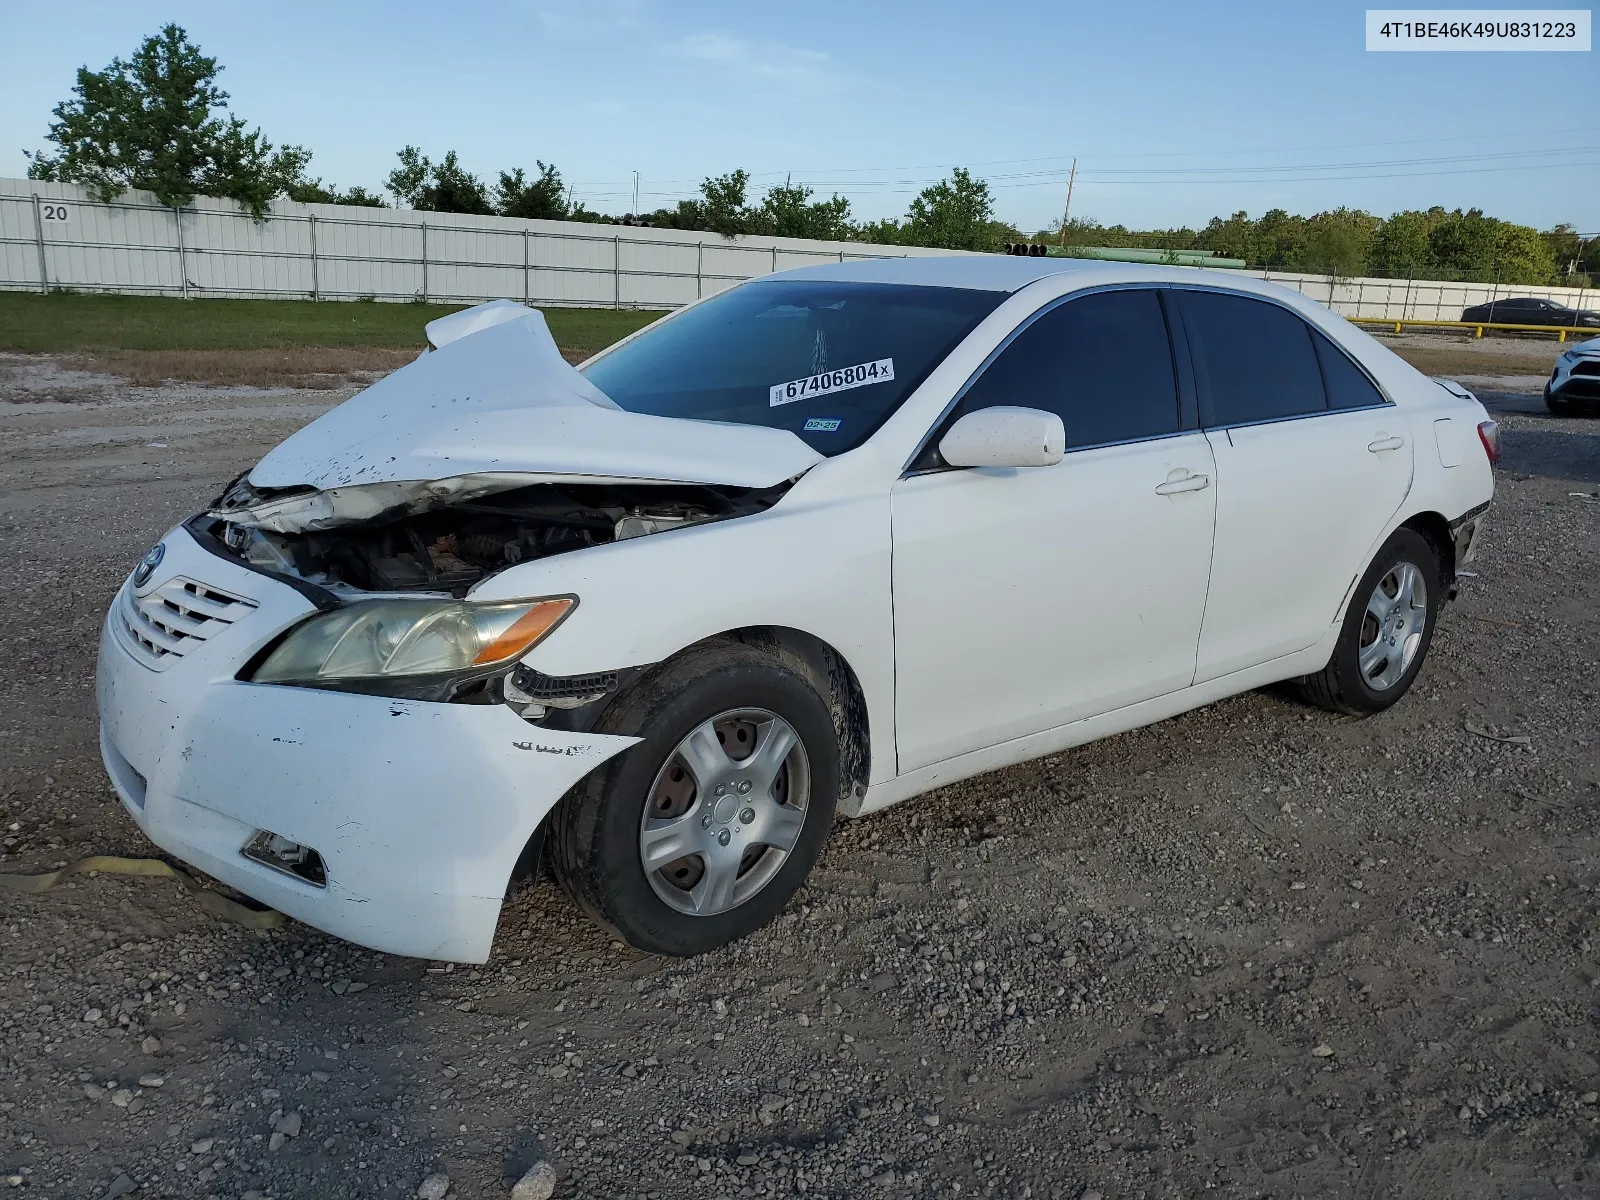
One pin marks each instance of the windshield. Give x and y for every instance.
(828, 361)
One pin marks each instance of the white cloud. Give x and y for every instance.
(770, 61)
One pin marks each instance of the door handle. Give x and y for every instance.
(1389, 443)
(1189, 483)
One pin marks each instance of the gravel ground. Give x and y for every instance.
(1258, 950)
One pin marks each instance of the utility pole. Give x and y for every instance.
(636, 193)
(1067, 211)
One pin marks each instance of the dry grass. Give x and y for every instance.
(1450, 360)
(320, 367)
(323, 368)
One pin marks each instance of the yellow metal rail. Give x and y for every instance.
(1478, 326)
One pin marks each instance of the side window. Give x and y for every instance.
(1253, 360)
(1102, 363)
(1348, 385)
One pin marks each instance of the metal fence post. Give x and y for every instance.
(424, 262)
(38, 233)
(316, 291)
(616, 271)
(183, 269)
(525, 272)
(699, 270)
(774, 260)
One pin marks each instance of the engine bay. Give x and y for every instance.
(450, 548)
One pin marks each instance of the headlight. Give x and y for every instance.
(420, 648)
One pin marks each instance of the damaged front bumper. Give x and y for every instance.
(416, 812)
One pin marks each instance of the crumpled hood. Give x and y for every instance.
(500, 401)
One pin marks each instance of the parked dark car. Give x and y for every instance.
(1526, 310)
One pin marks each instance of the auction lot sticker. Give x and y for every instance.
(1478, 29)
(824, 382)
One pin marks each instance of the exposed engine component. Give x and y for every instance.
(449, 549)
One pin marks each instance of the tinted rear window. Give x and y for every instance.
(1348, 385)
(828, 361)
(1253, 360)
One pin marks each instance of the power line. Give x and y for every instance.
(1282, 173)
(1196, 153)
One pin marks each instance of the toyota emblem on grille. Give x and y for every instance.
(148, 564)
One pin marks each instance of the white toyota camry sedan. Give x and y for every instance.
(814, 545)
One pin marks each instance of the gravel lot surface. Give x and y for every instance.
(1258, 950)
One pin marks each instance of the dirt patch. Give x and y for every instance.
(1453, 355)
(1258, 950)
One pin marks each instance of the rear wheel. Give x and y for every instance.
(702, 832)
(1387, 630)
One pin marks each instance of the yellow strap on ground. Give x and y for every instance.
(149, 868)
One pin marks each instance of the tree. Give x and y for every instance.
(789, 211)
(1575, 256)
(955, 214)
(1339, 242)
(723, 208)
(1522, 256)
(314, 191)
(886, 232)
(542, 198)
(443, 187)
(158, 122)
(1402, 248)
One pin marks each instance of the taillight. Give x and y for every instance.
(1489, 435)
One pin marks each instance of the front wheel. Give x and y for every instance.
(701, 833)
(1387, 630)
(1557, 406)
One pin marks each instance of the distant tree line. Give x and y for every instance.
(1453, 245)
(158, 122)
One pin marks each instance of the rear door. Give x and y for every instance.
(1028, 598)
(1312, 461)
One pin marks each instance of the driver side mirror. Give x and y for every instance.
(1005, 437)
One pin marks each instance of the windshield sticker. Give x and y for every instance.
(822, 425)
(824, 382)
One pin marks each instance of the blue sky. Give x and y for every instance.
(1176, 111)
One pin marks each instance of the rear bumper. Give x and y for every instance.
(418, 810)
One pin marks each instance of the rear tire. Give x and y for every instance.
(729, 796)
(1386, 633)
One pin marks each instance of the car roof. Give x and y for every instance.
(983, 272)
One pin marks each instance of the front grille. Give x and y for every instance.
(165, 624)
(1587, 368)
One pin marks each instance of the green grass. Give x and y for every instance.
(69, 323)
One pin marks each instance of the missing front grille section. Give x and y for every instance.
(270, 850)
(545, 688)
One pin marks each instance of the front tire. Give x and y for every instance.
(1557, 406)
(1387, 630)
(702, 833)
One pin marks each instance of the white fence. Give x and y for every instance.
(54, 235)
